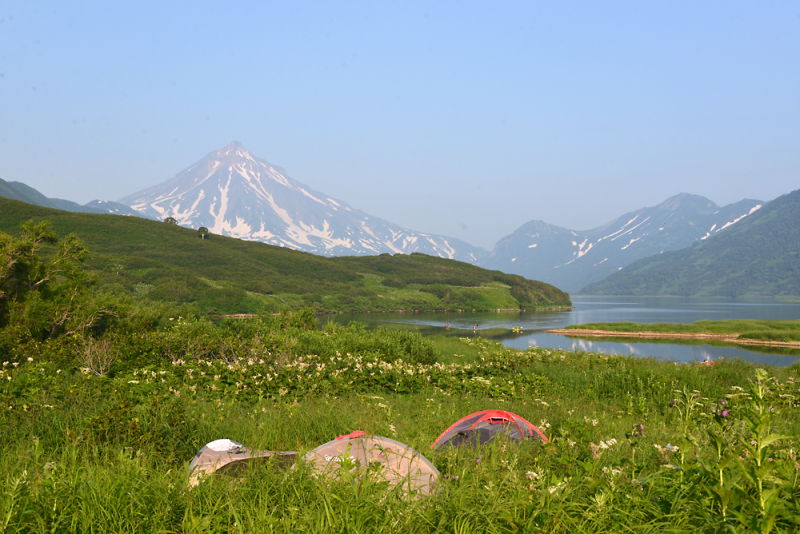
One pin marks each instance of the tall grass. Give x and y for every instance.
(87, 453)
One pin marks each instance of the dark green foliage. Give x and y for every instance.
(45, 289)
(758, 257)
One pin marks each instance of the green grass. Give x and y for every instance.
(224, 275)
(747, 328)
(110, 453)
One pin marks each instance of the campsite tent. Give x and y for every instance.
(482, 427)
(398, 463)
(232, 458)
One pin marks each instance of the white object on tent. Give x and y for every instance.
(231, 458)
(398, 463)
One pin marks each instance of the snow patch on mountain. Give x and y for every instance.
(234, 193)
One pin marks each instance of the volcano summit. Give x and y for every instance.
(233, 193)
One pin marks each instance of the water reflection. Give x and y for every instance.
(498, 326)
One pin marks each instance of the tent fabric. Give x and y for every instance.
(229, 457)
(482, 427)
(399, 464)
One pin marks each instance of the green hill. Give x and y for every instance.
(155, 260)
(759, 257)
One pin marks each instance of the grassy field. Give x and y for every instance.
(746, 328)
(100, 440)
(156, 261)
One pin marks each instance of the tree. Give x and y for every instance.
(44, 285)
(171, 220)
(202, 232)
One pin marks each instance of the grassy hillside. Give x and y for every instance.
(155, 260)
(759, 257)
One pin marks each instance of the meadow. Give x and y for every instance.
(99, 431)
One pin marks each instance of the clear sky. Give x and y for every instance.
(460, 118)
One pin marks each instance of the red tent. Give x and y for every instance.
(482, 427)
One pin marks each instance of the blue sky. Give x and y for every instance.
(459, 118)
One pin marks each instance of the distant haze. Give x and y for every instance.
(464, 119)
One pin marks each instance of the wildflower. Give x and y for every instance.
(724, 413)
(532, 475)
(30, 359)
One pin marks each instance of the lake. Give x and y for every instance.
(498, 325)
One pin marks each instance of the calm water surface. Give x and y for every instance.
(606, 309)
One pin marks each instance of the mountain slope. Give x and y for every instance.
(571, 260)
(759, 257)
(25, 193)
(7, 190)
(154, 260)
(233, 193)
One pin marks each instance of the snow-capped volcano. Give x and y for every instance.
(233, 193)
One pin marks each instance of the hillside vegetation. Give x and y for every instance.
(164, 262)
(758, 257)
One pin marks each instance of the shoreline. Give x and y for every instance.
(727, 338)
(498, 310)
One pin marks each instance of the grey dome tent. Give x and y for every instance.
(397, 463)
(231, 458)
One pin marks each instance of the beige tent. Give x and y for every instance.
(232, 458)
(393, 461)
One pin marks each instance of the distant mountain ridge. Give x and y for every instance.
(758, 257)
(25, 193)
(571, 260)
(233, 193)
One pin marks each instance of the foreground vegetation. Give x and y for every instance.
(150, 260)
(746, 328)
(99, 432)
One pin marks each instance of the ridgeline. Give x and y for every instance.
(759, 257)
